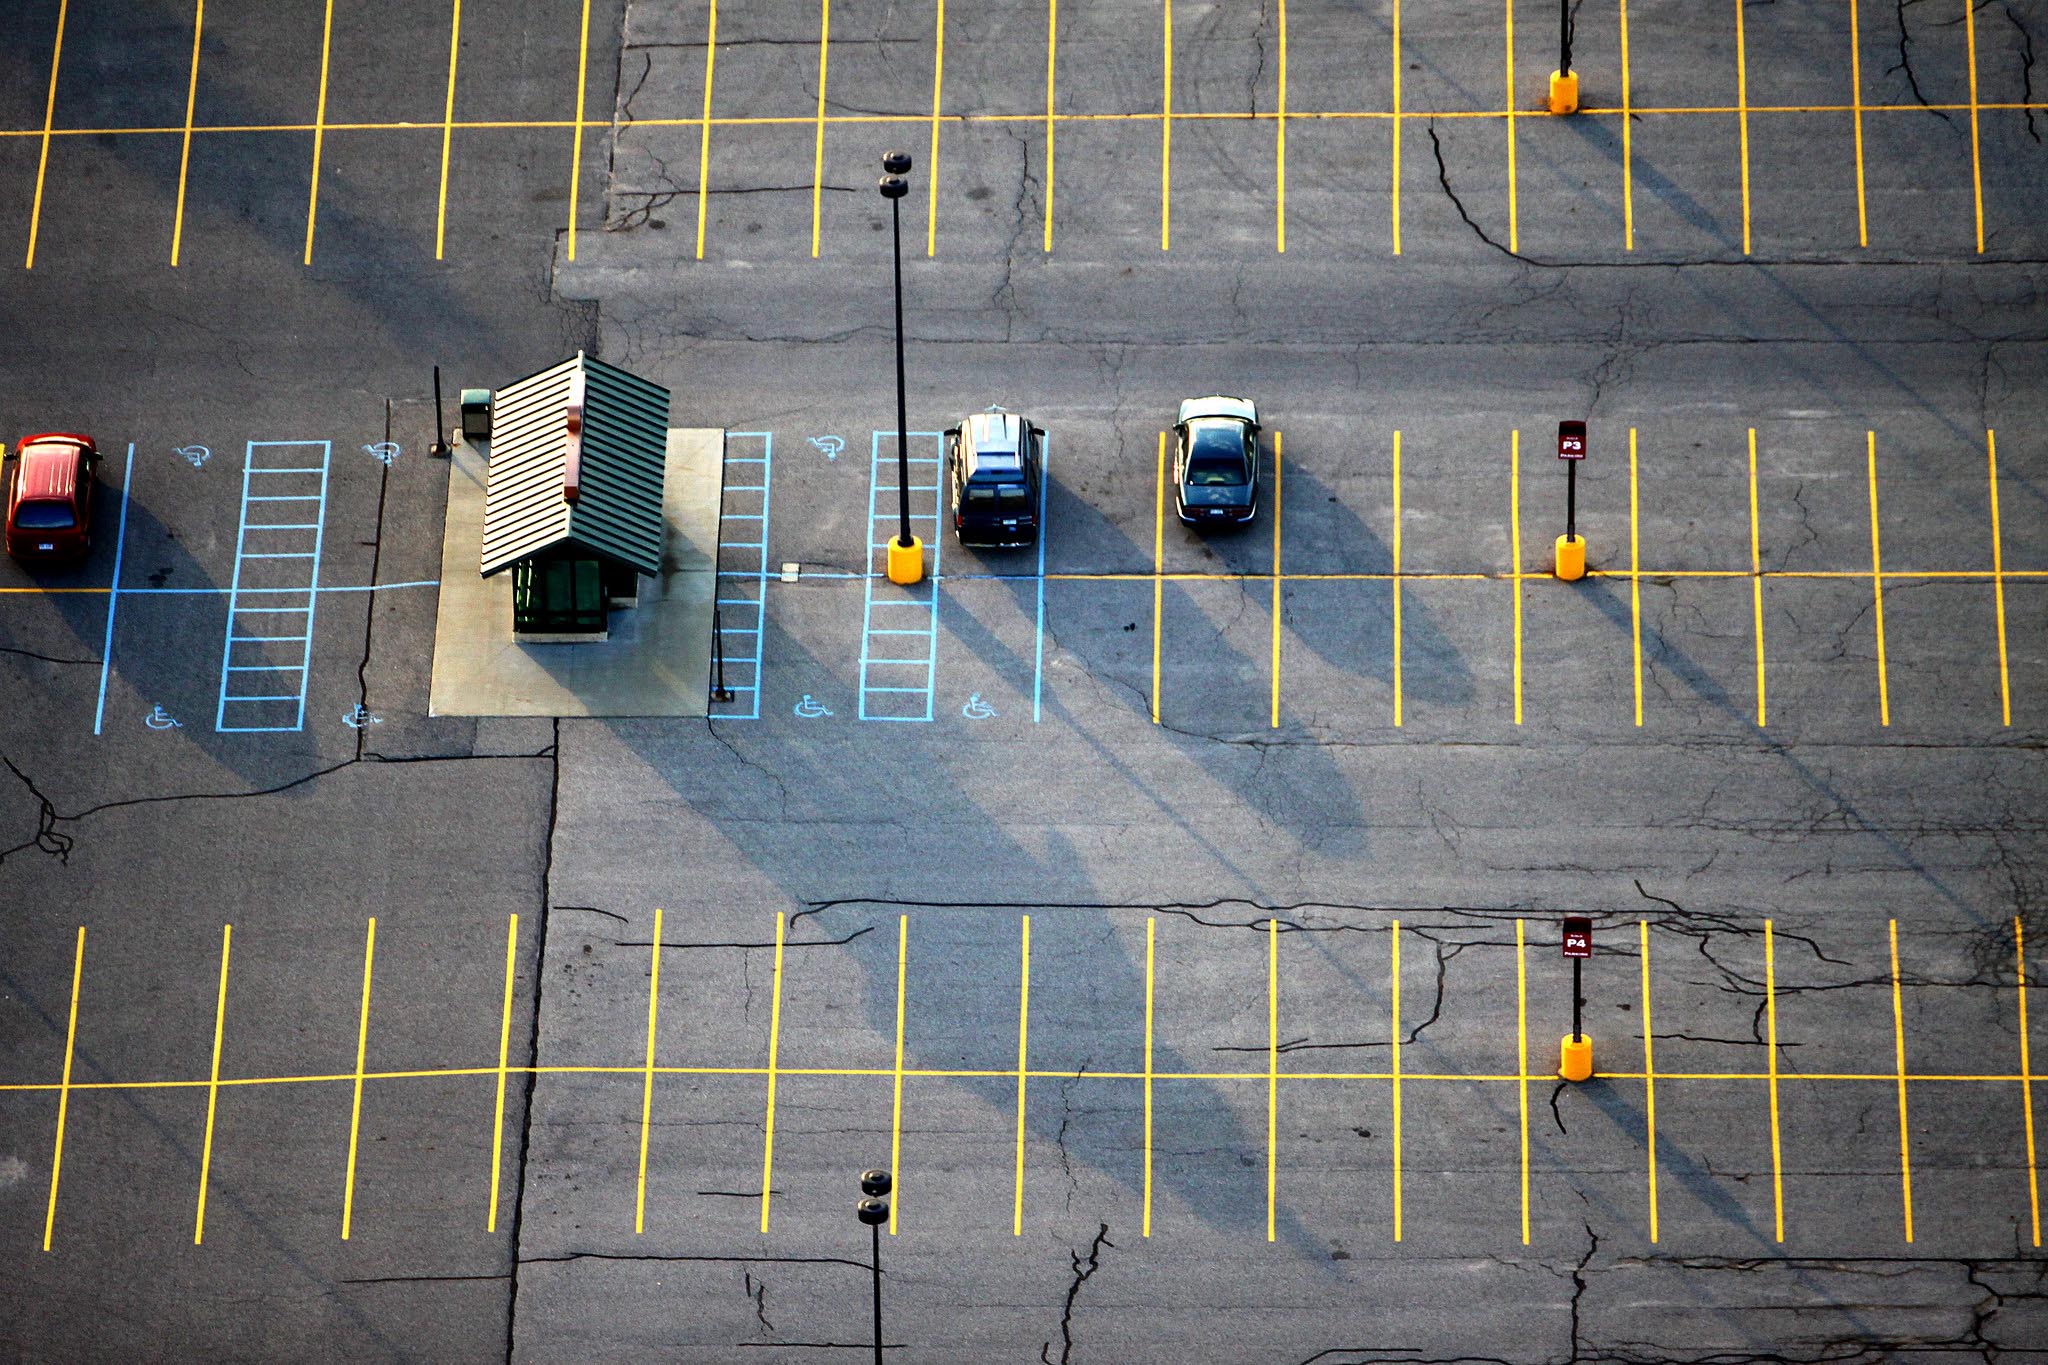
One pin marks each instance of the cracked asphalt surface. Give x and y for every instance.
(1277, 1083)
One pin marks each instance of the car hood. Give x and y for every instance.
(1217, 495)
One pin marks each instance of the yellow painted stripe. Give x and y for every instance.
(1884, 696)
(1514, 211)
(1394, 975)
(704, 142)
(447, 130)
(504, 1051)
(1397, 580)
(1397, 129)
(1998, 578)
(818, 152)
(355, 1114)
(1742, 103)
(1771, 1017)
(1856, 105)
(931, 221)
(1899, 1054)
(220, 1013)
(1515, 520)
(64, 1089)
(1635, 575)
(1158, 569)
(1649, 1076)
(320, 130)
(1628, 162)
(576, 148)
(896, 1104)
(1272, 1070)
(1280, 145)
(1522, 1063)
(185, 152)
(1023, 1053)
(35, 216)
(1756, 569)
(1277, 503)
(774, 1057)
(1052, 45)
(647, 1080)
(1151, 939)
(1166, 141)
(1976, 154)
(2019, 953)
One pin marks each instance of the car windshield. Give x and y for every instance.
(1216, 458)
(44, 515)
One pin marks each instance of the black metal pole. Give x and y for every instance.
(902, 431)
(1577, 999)
(1571, 500)
(719, 691)
(1564, 37)
(876, 1229)
(440, 443)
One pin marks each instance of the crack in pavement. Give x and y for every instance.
(1081, 1276)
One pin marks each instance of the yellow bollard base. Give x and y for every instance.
(1575, 1061)
(906, 562)
(1564, 92)
(1571, 558)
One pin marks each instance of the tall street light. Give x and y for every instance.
(1564, 82)
(874, 1211)
(906, 551)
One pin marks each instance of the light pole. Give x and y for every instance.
(1564, 85)
(874, 1211)
(906, 552)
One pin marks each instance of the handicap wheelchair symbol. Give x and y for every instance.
(976, 708)
(831, 445)
(160, 719)
(387, 451)
(361, 716)
(195, 455)
(808, 709)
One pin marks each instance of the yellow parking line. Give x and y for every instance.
(1998, 576)
(1742, 103)
(1397, 128)
(576, 147)
(320, 130)
(447, 137)
(774, 1056)
(1151, 936)
(1272, 1068)
(1280, 145)
(1158, 568)
(1899, 1054)
(1884, 698)
(1166, 141)
(220, 1012)
(931, 221)
(64, 1088)
(818, 154)
(2019, 954)
(1277, 503)
(1649, 1076)
(1522, 1064)
(1771, 1018)
(1052, 34)
(185, 153)
(1394, 974)
(704, 142)
(1976, 156)
(1397, 579)
(896, 1105)
(1635, 575)
(1515, 519)
(504, 1048)
(647, 1080)
(1756, 569)
(1856, 104)
(1023, 1054)
(35, 216)
(355, 1114)
(1628, 164)
(1514, 214)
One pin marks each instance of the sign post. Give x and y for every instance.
(1576, 1058)
(1571, 547)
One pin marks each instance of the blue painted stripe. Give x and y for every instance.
(1038, 648)
(99, 709)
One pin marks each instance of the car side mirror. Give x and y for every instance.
(952, 433)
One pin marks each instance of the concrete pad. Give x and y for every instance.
(658, 657)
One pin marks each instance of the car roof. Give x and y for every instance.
(49, 467)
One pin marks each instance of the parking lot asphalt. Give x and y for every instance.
(1176, 914)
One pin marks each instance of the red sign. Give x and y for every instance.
(1578, 936)
(1571, 440)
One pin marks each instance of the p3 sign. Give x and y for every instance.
(1571, 440)
(1578, 936)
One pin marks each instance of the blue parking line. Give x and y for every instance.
(1038, 649)
(759, 574)
(99, 710)
(307, 595)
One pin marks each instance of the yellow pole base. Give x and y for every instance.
(906, 562)
(1564, 92)
(1575, 1062)
(1571, 558)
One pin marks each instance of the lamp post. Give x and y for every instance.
(874, 1211)
(906, 552)
(1564, 84)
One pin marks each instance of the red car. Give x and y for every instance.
(49, 498)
